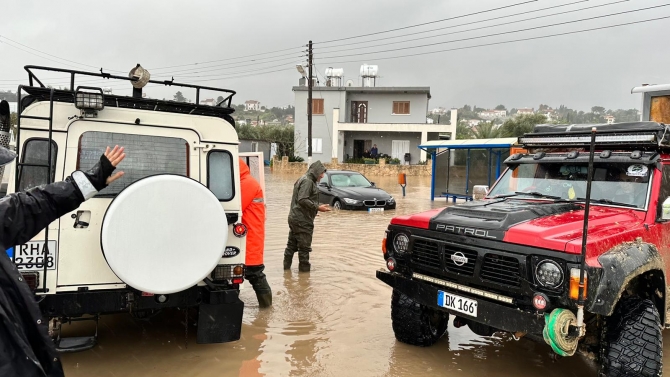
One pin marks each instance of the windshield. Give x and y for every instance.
(623, 184)
(349, 180)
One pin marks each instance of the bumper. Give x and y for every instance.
(490, 313)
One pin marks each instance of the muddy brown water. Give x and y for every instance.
(334, 321)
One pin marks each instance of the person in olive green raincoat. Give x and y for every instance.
(304, 207)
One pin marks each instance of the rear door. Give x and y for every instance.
(149, 151)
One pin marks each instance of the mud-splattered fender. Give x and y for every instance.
(620, 266)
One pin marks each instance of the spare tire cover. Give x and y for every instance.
(164, 234)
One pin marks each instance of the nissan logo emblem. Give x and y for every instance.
(459, 258)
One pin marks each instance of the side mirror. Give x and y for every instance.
(372, 183)
(324, 184)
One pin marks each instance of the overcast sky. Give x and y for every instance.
(578, 70)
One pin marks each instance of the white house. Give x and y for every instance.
(609, 119)
(525, 111)
(208, 102)
(349, 120)
(492, 114)
(252, 105)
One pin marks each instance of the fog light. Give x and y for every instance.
(238, 270)
(540, 301)
(161, 299)
(574, 283)
(239, 230)
(549, 274)
(390, 264)
(91, 99)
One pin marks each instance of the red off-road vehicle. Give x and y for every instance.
(511, 262)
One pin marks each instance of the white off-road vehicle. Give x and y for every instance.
(166, 235)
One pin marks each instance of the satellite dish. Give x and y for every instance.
(350, 82)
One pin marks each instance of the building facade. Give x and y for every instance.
(348, 121)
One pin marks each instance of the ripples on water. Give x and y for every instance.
(334, 321)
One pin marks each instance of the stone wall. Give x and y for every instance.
(381, 169)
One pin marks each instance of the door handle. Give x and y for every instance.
(82, 219)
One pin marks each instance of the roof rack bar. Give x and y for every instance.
(29, 69)
(32, 165)
(35, 117)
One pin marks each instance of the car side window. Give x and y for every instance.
(664, 193)
(220, 175)
(36, 152)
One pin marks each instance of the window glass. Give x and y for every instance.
(145, 156)
(324, 179)
(349, 180)
(614, 183)
(220, 175)
(35, 151)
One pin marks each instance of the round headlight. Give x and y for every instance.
(549, 274)
(400, 242)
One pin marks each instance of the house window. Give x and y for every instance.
(401, 107)
(316, 145)
(317, 106)
(220, 175)
(146, 156)
(35, 151)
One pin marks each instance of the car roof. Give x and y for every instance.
(343, 171)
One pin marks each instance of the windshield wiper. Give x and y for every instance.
(537, 194)
(608, 201)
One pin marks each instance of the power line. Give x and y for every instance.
(427, 23)
(486, 27)
(454, 26)
(501, 33)
(44, 53)
(191, 72)
(228, 59)
(510, 41)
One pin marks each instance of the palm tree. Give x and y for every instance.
(486, 130)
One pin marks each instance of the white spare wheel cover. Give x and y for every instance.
(164, 234)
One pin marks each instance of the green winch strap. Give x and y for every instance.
(555, 332)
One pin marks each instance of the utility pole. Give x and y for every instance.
(309, 105)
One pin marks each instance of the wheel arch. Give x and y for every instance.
(632, 268)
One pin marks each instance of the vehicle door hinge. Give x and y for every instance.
(204, 147)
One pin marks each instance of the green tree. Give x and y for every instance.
(486, 130)
(501, 107)
(520, 125)
(219, 99)
(179, 97)
(463, 131)
(599, 110)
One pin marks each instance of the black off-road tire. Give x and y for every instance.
(633, 343)
(414, 323)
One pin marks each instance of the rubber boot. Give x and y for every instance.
(287, 263)
(303, 258)
(264, 299)
(304, 267)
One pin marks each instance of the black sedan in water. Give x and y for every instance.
(345, 189)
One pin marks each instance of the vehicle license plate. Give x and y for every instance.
(375, 209)
(457, 303)
(33, 254)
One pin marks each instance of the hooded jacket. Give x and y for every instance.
(26, 349)
(253, 215)
(305, 200)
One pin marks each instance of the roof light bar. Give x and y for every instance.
(583, 140)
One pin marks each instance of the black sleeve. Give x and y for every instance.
(25, 214)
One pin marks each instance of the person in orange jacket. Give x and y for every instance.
(253, 216)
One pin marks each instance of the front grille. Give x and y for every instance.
(468, 268)
(426, 254)
(501, 269)
(372, 203)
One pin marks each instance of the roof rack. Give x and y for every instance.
(223, 109)
(625, 136)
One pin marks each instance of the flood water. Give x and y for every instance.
(333, 321)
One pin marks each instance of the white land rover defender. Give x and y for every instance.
(166, 235)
